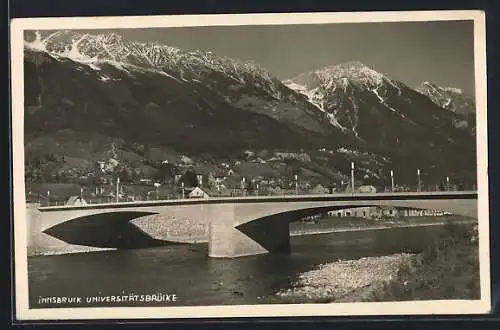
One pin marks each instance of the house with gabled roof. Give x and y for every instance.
(76, 201)
(319, 189)
(199, 192)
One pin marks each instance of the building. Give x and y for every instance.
(302, 156)
(379, 212)
(319, 189)
(146, 181)
(422, 213)
(411, 212)
(216, 179)
(361, 189)
(389, 212)
(76, 201)
(198, 193)
(368, 212)
(276, 190)
(367, 189)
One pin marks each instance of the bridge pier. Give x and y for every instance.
(230, 236)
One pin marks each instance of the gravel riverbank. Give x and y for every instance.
(345, 281)
(446, 269)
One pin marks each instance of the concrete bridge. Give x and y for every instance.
(236, 226)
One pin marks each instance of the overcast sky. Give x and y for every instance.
(440, 52)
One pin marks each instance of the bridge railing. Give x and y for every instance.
(44, 200)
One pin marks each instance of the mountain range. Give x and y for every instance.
(449, 98)
(88, 94)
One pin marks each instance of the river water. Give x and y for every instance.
(195, 279)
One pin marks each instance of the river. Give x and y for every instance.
(195, 279)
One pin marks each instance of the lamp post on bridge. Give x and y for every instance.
(118, 189)
(182, 188)
(48, 197)
(392, 181)
(243, 186)
(296, 184)
(257, 189)
(352, 177)
(418, 181)
(157, 186)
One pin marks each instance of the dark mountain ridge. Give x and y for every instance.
(126, 93)
(124, 87)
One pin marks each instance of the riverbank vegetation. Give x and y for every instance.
(448, 269)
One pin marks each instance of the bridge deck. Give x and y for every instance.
(283, 198)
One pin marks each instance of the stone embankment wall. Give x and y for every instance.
(161, 227)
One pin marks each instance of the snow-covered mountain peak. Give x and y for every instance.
(353, 71)
(435, 88)
(113, 38)
(329, 77)
(429, 84)
(93, 48)
(454, 90)
(450, 98)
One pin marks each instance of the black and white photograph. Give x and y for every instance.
(250, 165)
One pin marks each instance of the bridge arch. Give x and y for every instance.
(264, 227)
(106, 230)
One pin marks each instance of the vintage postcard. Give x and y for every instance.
(314, 164)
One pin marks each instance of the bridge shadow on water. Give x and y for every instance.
(110, 230)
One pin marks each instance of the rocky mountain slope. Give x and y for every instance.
(88, 94)
(152, 92)
(449, 98)
(387, 115)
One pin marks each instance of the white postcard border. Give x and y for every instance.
(335, 309)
